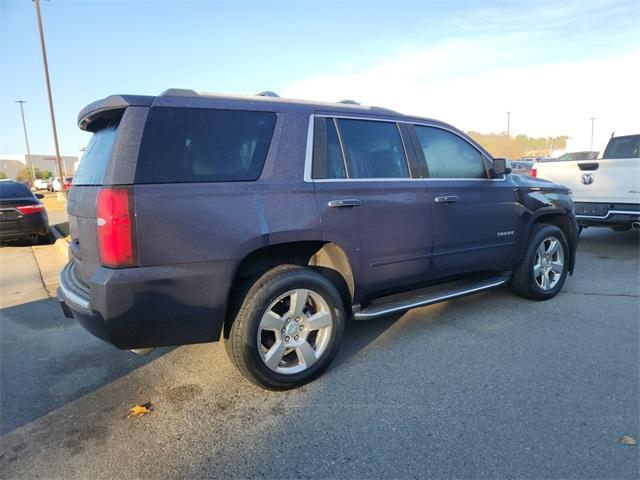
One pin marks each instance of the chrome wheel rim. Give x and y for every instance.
(294, 331)
(549, 263)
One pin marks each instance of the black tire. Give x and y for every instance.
(243, 344)
(523, 282)
(46, 239)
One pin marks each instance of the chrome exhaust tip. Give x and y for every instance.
(143, 352)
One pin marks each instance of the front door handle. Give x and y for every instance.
(347, 202)
(447, 199)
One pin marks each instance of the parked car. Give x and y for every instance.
(67, 183)
(21, 213)
(573, 156)
(269, 223)
(521, 167)
(56, 186)
(606, 191)
(40, 184)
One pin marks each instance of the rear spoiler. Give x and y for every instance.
(96, 114)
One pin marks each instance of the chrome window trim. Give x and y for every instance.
(344, 155)
(309, 153)
(308, 157)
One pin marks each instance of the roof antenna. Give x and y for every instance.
(268, 93)
(349, 101)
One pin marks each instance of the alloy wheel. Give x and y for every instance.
(549, 263)
(294, 331)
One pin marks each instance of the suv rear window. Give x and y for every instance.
(94, 160)
(623, 147)
(185, 145)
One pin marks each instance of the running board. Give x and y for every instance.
(427, 296)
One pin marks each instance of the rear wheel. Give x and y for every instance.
(288, 328)
(544, 267)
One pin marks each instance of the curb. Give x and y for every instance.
(61, 243)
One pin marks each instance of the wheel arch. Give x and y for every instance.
(566, 223)
(327, 258)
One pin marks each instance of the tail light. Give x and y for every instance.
(534, 172)
(30, 209)
(115, 226)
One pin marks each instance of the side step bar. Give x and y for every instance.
(427, 296)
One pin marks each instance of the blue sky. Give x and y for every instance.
(553, 64)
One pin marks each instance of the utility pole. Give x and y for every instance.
(46, 75)
(593, 119)
(508, 132)
(26, 141)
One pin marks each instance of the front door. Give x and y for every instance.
(474, 216)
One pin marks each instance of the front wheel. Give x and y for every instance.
(543, 269)
(288, 328)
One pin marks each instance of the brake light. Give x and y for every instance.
(30, 209)
(115, 227)
(534, 172)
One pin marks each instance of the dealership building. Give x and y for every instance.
(10, 165)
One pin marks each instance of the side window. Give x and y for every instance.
(373, 149)
(328, 161)
(449, 156)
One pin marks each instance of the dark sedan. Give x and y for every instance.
(21, 213)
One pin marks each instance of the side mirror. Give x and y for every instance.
(500, 167)
(39, 196)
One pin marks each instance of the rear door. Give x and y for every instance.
(370, 202)
(474, 216)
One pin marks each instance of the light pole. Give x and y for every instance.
(26, 141)
(46, 76)
(508, 132)
(593, 119)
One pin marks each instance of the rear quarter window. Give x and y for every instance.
(183, 145)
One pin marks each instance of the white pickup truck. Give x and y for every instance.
(606, 191)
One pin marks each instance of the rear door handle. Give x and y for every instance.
(347, 202)
(447, 199)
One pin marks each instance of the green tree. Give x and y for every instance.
(43, 174)
(24, 174)
(502, 145)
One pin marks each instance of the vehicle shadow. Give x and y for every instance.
(47, 361)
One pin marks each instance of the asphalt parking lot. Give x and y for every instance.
(488, 386)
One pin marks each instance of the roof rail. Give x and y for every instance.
(179, 92)
(268, 93)
(349, 102)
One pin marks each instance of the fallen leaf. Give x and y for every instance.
(139, 410)
(627, 440)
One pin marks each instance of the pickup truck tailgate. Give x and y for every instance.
(615, 180)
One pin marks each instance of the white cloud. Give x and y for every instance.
(472, 83)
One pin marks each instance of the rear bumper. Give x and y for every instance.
(606, 214)
(35, 224)
(149, 306)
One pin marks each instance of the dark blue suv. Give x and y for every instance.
(271, 223)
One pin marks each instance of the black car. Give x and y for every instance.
(21, 213)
